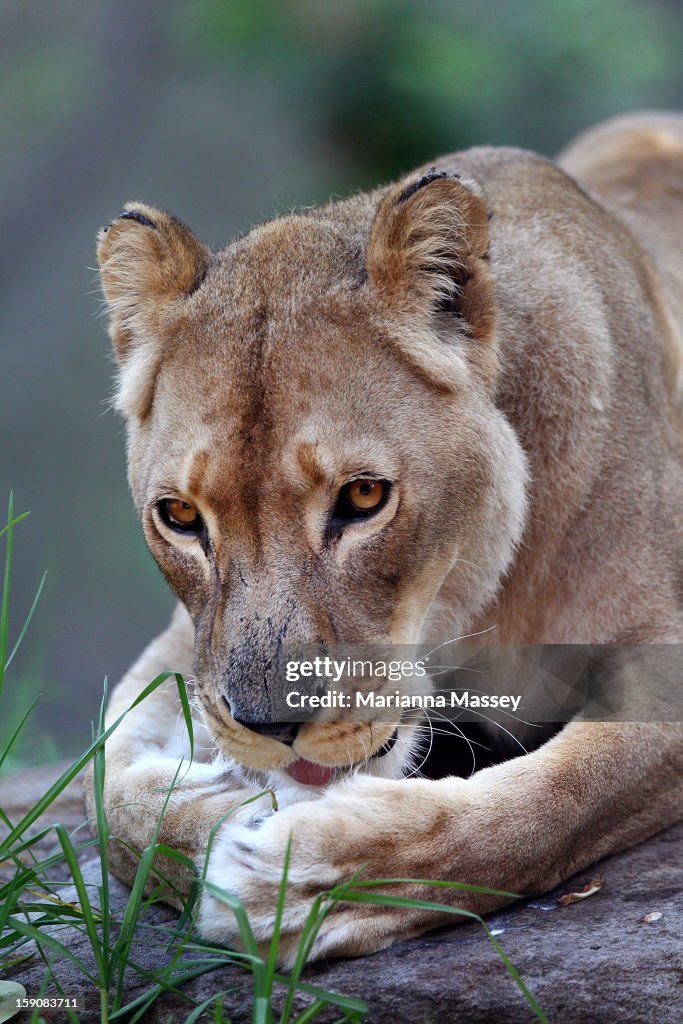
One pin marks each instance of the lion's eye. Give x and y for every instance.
(180, 515)
(361, 498)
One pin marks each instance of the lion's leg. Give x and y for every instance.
(522, 826)
(595, 789)
(143, 756)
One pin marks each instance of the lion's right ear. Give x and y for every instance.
(147, 259)
(427, 260)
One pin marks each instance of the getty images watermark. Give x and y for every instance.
(536, 683)
(329, 671)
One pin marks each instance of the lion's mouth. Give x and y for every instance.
(308, 773)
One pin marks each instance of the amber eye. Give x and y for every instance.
(361, 498)
(365, 495)
(180, 515)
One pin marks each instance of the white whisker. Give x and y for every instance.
(457, 639)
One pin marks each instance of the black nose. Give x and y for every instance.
(285, 732)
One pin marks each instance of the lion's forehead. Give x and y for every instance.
(265, 387)
(247, 346)
(288, 262)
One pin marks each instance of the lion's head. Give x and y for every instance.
(314, 447)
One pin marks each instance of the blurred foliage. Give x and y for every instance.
(395, 82)
(43, 73)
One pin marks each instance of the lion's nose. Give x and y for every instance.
(284, 732)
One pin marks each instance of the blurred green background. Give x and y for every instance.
(224, 112)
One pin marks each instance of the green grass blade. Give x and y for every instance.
(51, 976)
(35, 1015)
(187, 712)
(179, 858)
(53, 858)
(4, 603)
(277, 925)
(350, 1003)
(311, 1012)
(61, 914)
(8, 902)
(368, 883)
(102, 831)
(27, 621)
(143, 1010)
(143, 695)
(381, 900)
(249, 941)
(164, 985)
(84, 901)
(247, 935)
(529, 996)
(320, 908)
(221, 821)
(201, 1007)
(15, 735)
(261, 1011)
(17, 519)
(43, 939)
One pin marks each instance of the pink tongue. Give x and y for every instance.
(309, 773)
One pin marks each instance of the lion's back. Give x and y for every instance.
(634, 164)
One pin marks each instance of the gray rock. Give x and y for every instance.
(596, 961)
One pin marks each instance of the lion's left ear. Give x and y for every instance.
(148, 261)
(427, 255)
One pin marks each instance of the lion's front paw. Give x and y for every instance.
(357, 828)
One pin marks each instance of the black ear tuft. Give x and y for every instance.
(448, 302)
(139, 217)
(431, 175)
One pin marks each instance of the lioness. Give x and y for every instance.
(448, 404)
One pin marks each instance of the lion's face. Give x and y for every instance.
(314, 453)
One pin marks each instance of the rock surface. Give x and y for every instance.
(596, 961)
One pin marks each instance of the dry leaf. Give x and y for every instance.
(595, 885)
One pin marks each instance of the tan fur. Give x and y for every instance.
(502, 344)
